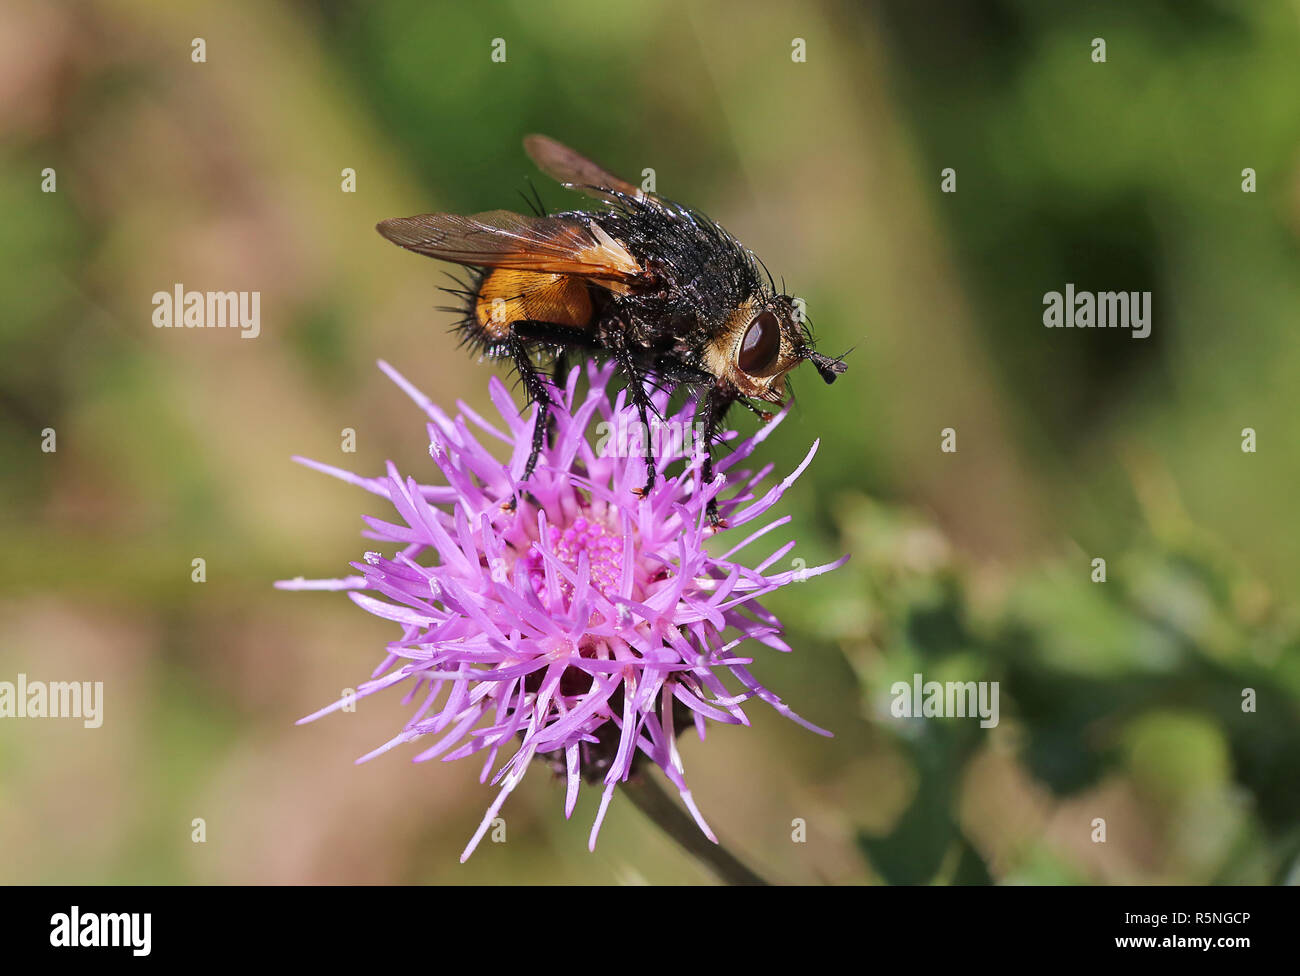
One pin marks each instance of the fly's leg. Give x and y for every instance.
(636, 380)
(524, 333)
(535, 388)
(560, 370)
(716, 405)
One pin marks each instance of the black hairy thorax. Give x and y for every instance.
(700, 274)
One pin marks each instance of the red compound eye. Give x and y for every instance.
(761, 345)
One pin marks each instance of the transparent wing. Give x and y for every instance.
(576, 171)
(502, 239)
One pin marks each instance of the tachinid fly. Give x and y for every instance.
(659, 288)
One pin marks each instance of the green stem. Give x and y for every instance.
(663, 810)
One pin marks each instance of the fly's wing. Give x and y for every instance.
(577, 172)
(502, 239)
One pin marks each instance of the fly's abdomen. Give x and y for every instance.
(506, 295)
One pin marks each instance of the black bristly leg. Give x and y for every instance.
(636, 379)
(678, 372)
(562, 337)
(535, 387)
(560, 370)
(522, 334)
(716, 405)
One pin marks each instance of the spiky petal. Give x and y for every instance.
(586, 626)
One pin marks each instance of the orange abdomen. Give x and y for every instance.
(507, 295)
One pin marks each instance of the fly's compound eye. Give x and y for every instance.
(761, 345)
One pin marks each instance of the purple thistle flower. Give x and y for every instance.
(588, 627)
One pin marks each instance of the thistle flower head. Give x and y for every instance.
(586, 626)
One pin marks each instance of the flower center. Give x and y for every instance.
(604, 551)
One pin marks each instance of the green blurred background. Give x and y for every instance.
(1119, 700)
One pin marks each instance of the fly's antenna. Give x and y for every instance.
(829, 367)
